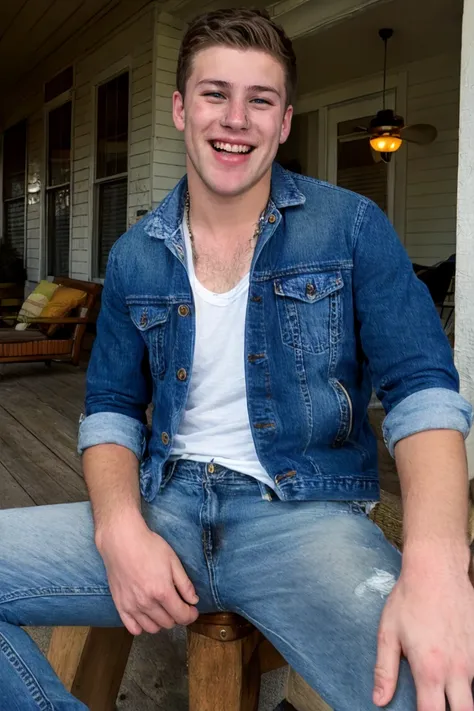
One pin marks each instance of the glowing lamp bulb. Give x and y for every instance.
(386, 143)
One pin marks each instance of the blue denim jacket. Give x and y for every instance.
(334, 308)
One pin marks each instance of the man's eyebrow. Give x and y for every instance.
(227, 85)
(261, 88)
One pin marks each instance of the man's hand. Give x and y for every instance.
(429, 617)
(149, 585)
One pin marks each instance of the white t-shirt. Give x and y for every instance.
(215, 424)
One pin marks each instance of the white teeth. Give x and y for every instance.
(231, 148)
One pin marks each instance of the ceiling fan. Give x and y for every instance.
(387, 131)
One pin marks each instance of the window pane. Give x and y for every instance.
(14, 159)
(58, 231)
(112, 217)
(14, 212)
(112, 127)
(59, 145)
(356, 166)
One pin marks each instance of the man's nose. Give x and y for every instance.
(236, 116)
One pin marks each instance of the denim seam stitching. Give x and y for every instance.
(28, 678)
(36, 592)
(207, 550)
(362, 210)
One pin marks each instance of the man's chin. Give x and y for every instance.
(232, 185)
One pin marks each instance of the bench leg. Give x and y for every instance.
(90, 661)
(223, 675)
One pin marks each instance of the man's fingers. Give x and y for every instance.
(158, 616)
(386, 667)
(431, 698)
(147, 623)
(130, 623)
(429, 674)
(459, 693)
(182, 582)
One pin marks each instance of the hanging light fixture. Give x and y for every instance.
(385, 128)
(387, 131)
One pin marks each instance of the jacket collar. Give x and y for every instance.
(166, 219)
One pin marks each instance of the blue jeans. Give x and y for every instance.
(312, 576)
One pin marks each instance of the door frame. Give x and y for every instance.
(358, 90)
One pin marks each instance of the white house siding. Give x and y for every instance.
(168, 145)
(433, 97)
(464, 338)
(131, 48)
(34, 196)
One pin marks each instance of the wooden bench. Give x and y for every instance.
(226, 654)
(33, 345)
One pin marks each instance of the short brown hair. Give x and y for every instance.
(240, 28)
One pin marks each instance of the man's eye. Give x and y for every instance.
(261, 101)
(215, 95)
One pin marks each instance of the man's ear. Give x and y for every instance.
(178, 111)
(286, 124)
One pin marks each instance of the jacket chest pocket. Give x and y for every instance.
(151, 320)
(310, 310)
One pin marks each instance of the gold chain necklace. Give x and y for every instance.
(187, 210)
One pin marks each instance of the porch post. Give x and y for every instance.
(464, 300)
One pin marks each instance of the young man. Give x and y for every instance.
(256, 309)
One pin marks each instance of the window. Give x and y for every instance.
(358, 167)
(58, 189)
(14, 178)
(111, 165)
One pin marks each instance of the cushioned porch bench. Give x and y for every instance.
(33, 345)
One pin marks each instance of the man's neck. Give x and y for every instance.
(222, 217)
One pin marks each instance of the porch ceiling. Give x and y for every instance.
(353, 49)
(32, 30)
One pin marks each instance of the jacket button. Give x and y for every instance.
(144, 319)
(272, 219)
(181, 374)
(183, 310)
(165, 438)
(310, 289)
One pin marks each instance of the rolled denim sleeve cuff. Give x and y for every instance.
(430, 409)
(112, 428)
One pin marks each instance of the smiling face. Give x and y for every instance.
(234, 116)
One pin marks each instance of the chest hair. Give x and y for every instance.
(220, 270)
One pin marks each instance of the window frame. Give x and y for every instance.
(105, 78)
(4, 200)
(56, 103)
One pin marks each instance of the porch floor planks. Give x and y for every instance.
(38, 435)
(48, 425)
(44, 393)
(12, 494)
(36, 470)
